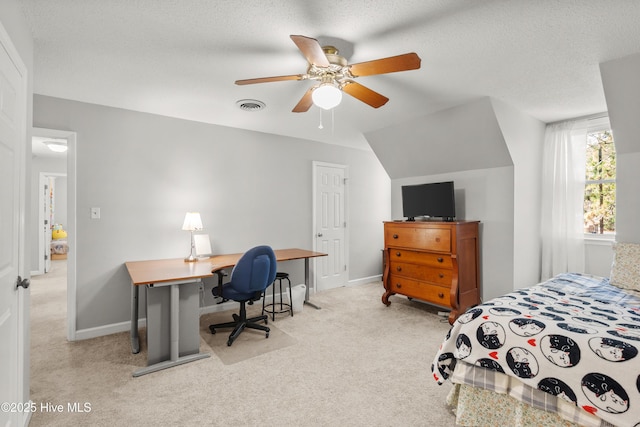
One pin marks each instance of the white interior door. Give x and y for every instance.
(330, 225)
(12, 145)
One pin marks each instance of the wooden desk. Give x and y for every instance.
(175, 272)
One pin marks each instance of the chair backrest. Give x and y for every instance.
(255, 270)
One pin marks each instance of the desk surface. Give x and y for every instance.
(167, 270)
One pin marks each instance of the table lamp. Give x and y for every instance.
(191, 223)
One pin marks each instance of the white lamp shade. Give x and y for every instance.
(326, 96)
(192, 221)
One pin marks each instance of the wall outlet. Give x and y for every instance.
(95, 213)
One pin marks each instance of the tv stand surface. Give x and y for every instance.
(429, 219)
(433, 261)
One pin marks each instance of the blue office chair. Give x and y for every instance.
(253, 273)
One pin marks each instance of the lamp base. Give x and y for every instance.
(190, 258)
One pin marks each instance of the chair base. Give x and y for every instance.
(240, 322)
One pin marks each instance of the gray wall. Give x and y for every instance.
(145, 171)
(493, 154)
(485, 195)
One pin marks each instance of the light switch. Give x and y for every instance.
(95, 213)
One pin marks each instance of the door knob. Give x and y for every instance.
(319, 234)
(22, 282)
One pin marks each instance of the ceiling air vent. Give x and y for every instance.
(251, 105)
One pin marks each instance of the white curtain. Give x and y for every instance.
(563, 180)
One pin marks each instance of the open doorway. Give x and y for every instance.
(49, 173)
(52, 221)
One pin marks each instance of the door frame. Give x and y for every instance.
(314, 173)
(71, 138)
(41, 234)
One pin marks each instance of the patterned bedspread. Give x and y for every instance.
(574, 336)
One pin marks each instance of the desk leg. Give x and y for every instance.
(306, 283)
(175, 359)
(135, 340)
(175, 326)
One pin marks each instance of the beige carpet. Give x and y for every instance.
(355, 362)
(249, 344)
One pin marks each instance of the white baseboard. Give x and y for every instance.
(216, 308)
(365, 280)
(100, 331)
(115, 328)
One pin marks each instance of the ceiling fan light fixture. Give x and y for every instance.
(327, 96)
(56, 146)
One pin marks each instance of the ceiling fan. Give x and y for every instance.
(335, 75)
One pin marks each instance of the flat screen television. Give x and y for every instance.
(435, 200)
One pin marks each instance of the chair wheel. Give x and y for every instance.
(213, 330)
(229, 343)
(266, 334)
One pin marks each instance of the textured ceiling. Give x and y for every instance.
(181, 58)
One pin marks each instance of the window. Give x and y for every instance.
(600, 185)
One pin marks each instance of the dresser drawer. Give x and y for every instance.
(427, 239)
(413, 257)
(441, 276)
(420, 290)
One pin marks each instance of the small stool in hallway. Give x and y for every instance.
(284, 307)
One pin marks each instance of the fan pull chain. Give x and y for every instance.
(320, 126)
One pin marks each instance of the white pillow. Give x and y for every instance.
(625, 271)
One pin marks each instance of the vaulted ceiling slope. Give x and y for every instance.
(438, 143)
(621, 81)
(181, 58)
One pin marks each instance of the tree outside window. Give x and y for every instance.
(600, 187)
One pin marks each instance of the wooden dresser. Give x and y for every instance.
(436, 262)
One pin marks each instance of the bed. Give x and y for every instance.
(562, 352)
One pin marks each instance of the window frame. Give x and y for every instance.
(601, 124)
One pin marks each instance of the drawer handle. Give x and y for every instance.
(398, 285)
(397, 253)
(441, 275)
(395, 236)
(440, 259)
(399, 268)
(440, 295)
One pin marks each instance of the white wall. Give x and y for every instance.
(621, 82)
(598, 256)
(628, 195)
(524, 136)
(145, 171)
(465, 137)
